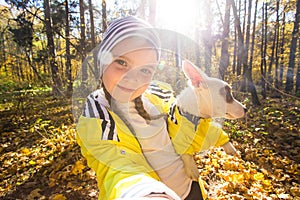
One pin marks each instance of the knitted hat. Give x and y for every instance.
(121, 29)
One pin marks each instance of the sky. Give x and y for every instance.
(2, 2)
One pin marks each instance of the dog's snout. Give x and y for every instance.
(245, 109)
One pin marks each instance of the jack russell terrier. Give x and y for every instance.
(208, 97)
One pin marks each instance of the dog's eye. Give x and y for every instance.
(226, 91)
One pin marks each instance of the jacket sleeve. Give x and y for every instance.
(118, 168)
(190, 136)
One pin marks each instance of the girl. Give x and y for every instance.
(123, 132)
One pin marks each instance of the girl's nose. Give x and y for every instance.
(131, 74)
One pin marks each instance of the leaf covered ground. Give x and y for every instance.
(39, 157)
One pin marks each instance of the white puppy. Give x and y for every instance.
(207, 97)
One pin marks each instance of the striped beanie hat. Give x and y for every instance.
(122, 29)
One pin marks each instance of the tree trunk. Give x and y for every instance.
(297, 91)
(245, 57)
(34, 69)
(240, 38)
(281, 67)
(251, 86)
(84, 76)
(277, 46)
(208, 38)
(238, 62)
(263, 49)
(95, 53)
(224, 60)
(290, 72)
(234, 62)
(197, 39)
(241, 48)
(57, 85)
(273, 51)
(92, 24)
(245, 14)
(68, 54)
(104, 19)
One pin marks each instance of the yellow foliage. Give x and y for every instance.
(58, 197)
(258, 176)
(26, 151)
(295, 191)
(35, 194)
(78, 167)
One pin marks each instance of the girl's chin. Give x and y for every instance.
(123, 97)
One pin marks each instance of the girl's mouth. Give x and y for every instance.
(126, 89)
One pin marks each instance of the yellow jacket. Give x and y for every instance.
(114, 152)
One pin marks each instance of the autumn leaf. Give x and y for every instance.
(78, 167)
(258, 177)
(35, 194)
(58, 197)
(26, 151)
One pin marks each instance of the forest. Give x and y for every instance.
(47, 67)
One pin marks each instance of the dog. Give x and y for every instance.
(206, 97)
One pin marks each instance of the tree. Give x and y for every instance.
(298, 73)
(84, 76)
(247, 42)
(282, 42)
(293, 47)
(251, 86)
(68, 54)
(274, 48)
(263, 63)
(57, 84)
(23, 36)
(104, 18)
(277, 46)
(224, 60)
(92, 24)
(208, 37)
(241, 48)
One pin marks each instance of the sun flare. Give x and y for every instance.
(178, 15)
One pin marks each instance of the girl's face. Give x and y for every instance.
(132, 68)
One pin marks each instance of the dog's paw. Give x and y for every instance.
(190, 167)
(229, 148)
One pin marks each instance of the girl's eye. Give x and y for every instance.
(121, 62)
(147, 71)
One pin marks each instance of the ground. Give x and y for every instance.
(39, 157)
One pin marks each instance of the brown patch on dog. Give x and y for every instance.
(226, 92)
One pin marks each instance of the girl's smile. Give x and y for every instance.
(125, 89)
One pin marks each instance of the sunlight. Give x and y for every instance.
(180, 16)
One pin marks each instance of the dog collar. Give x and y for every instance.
(192, 118)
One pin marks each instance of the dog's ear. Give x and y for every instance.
(196, 75)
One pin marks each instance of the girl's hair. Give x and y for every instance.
(139, 106)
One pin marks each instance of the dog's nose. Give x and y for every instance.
(245, 109)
